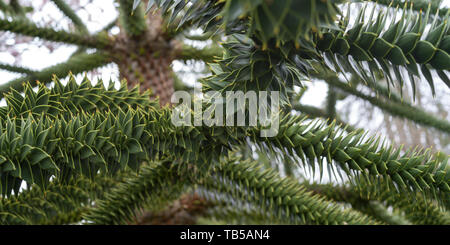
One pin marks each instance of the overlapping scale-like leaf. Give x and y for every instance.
(246, 67)
(34, 148)
(241, 181)
(58, 204)
(72, 97)
(405, 48)
(62, 139)
(281, 20)
(284, 198)
(396, 47)
(196, 13)
(355, 154)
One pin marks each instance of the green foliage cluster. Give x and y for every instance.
(99, 155)
(363, 48)
(403, 44)
(69, 130)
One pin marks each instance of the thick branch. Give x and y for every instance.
(331, 102)
(132, 21)
(68, 11)
(206, 54)
(16, 69)
(161, 182)
(150, 130)
(58, 204)
(27, 28)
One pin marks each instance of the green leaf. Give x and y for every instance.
(427, 74)
(341, 156)
(445, 44)
(340, 46)
(123, 158)
(359, 54)
(37, 155)
(396, 56)
(435, 35)
(326, 41)
(407, 42)
(441, 60)
(134, 146)
(366, 40)
(48, 164)
(380, 48)
(86, 152)
(423, 52)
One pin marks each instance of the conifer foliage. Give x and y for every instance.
(78, 152)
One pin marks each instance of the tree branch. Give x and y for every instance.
(415, 210)
(132, 21)
(68, 11)
(5, 7)
(315, 112)
(397, 109)
(24, 27)
(331, 102)
(206, 54)
(417, 5)
(156, 183)
(285, 198)
(16, 69)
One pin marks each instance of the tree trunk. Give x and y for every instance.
(183, 211)
(146, 60)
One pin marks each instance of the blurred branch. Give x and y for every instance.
(203, 37)
(15, 6)
(397, 109)
(417, 211)
(68, 11)
(315, 112)
(132, 21)
(5, 7)
(104, 30)
(110, 25)
(331, 102)
(17, 69)
(417, 5)
(207, 54)
(27, 28)
(179, 85)
(342, 194)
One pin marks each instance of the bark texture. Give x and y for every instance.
(146, 60)
(183, 211)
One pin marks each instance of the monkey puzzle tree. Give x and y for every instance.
(105, 155)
